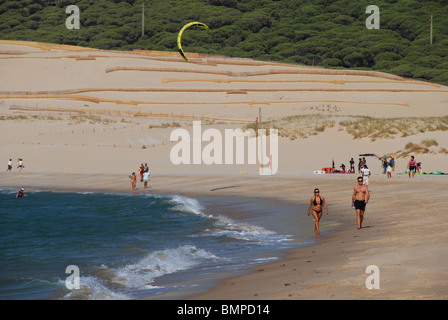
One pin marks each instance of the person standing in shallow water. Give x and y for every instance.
(315, 207)
(133, 180)
(360, 198)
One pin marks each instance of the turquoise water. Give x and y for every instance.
(132, 246)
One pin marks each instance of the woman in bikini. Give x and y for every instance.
(315, 207)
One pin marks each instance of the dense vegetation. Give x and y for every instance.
(329, 33)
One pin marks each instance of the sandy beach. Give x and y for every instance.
(84, 119)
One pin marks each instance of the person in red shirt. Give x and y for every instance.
(412, 167)
(21, 193)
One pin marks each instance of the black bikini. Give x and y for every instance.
(316, 204)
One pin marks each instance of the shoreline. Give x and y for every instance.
(411, 259)
(241, 209)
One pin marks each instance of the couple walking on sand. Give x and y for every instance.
(360, 198)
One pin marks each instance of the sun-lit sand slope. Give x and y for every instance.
(123, 93)
(147, 81)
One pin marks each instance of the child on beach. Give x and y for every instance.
(9, 165)
(20, 165)
(146, 178)
(133, 180)
(140, 170)
(389, 170)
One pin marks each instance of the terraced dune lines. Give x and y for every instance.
(47, 46)
(218, 87)
(134, 55)
(263, 73)
(206, 90)
(135, 102)
(168, 56)
(130, 113)
(339, 82)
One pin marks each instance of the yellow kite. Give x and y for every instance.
(179, 36)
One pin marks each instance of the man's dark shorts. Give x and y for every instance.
(360, 205)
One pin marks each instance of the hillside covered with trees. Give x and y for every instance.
(328, 33)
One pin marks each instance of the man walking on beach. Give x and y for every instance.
(412, 166)
(366, 175)
(360, 198)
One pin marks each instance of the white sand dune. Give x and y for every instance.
(129, 91)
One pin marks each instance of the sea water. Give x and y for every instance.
(132, 246)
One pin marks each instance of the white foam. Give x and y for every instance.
(248, 232)
(92, 288)
(186, 204)
(141, 275)
(225, 226)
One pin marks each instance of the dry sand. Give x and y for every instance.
(91, 139)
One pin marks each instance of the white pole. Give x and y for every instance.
(261, 142)
(143, 19)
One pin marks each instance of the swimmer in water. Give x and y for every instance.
(21, 193)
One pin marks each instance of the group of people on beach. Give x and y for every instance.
(360, 198)
(20, 165)
(361, 164)
(388, 165)
(412, 167)
(361, 195)
(144, 176)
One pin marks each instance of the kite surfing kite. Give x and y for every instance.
(370, 155)
(179, 36)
